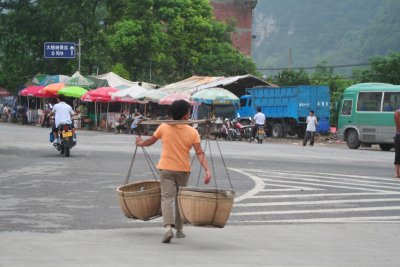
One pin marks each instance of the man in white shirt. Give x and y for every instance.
(312, 124)
(62, 115)
(259, 120)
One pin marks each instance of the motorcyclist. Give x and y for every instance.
(259, 121)
(62, 115)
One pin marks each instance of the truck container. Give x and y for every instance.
(286, 108)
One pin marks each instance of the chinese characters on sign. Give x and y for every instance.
(59, 50)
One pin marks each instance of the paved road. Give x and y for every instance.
(277, 184)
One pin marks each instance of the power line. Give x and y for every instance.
(317, 67)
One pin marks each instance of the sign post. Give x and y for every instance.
(59, 50)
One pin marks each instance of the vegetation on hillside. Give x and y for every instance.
(336, 31)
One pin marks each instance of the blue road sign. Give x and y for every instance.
(59, 50)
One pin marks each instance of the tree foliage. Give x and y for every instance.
(290, 78)
(382, 69)
(164, 40)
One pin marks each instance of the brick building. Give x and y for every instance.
(241, 12)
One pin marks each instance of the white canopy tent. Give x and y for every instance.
(120, 83)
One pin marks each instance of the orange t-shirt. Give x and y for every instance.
(177, 140)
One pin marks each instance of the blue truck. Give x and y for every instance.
(286, 108)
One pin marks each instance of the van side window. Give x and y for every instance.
(391, 101)
(369, 101)
(347, 107)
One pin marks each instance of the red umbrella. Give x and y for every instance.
(87, 97)
(34, 91)
(103, 94)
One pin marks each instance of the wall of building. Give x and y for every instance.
(241, 12)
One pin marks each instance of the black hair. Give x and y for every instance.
(312, 111)
(179, 109)
(61, 98)
(258, 109)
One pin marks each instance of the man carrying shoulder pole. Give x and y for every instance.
(174, 164)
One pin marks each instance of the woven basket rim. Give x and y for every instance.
(203, 195)
(207, 190)
(139, 182)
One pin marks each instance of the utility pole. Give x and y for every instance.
(79, 55)
(290, 58)
(150, 70)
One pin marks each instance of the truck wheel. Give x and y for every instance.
(277, 131)
(301, 133)
(352, 140)
(385, 147)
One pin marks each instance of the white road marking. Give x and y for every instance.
(325, 195)
(297, 188)
(323, 179)
(317, 202)
(322, 185)
(389, 219)
(259, 185)
(324, 173)
(284, 181)
(341, 210)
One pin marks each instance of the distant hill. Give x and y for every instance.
(336, 31)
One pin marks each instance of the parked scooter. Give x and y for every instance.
(236, 131)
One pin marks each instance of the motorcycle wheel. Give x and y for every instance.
(67, 151)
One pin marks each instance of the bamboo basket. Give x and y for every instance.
(205, 207)
(140, 200)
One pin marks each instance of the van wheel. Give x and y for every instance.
(277, 131)
(385, 147)
(352, 140)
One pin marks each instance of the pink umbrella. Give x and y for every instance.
(169, 99)
(35, 91)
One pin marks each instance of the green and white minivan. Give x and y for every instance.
(366, 115)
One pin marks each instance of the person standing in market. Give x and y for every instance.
(397, 144)
(312, 124)
(174, 164)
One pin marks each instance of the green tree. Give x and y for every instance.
(174, 39)
(324, 75)
(382, 69)
(291, 78)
